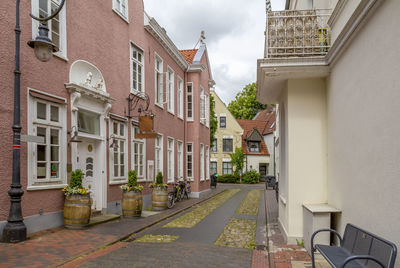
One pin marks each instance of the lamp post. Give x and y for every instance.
(15, 229)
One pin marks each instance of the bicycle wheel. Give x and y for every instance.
(171, 200)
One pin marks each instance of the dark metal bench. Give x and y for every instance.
(358, 248)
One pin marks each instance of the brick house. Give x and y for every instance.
(108, 52)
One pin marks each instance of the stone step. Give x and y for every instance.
(103, 218)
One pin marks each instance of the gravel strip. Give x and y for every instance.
(250, 204)
(192, 218)
(238, 233)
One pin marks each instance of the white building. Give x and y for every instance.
(333, 68)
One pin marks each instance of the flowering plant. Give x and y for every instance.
(132, 183)
(159, 184)
(75, 184)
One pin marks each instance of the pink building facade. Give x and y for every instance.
(108, 53)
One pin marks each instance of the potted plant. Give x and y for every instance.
(77, 205)
(160, 193)
(132, 200)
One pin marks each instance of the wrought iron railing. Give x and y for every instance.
(297, 33)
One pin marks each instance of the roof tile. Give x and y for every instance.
(189, 54)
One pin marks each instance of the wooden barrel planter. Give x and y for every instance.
(132, 203)
(77, 211)
(159, 199)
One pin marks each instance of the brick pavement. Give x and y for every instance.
(282, 255)
(57, 246)
(259, 259)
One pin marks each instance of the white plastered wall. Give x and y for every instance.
(306, 150)
(364, 130)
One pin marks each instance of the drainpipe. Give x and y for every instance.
(274, 159)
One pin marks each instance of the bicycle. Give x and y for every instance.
(180, 190)
(176, 195)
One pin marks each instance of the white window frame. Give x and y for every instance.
(207, 163)
(179, 159)
(62, 53)
(216, 167)
(158, 167)
(118, 138)
(189, 178)
(33, 123)
(179, 100)
(170, 160)
(138, 50)
(202, 106)
(202, 162)
(226, 162)
(223, 139)
(117, 7)
(170, 90)
(158, 87)
(189, 118)
(141, 176)
(207, 111)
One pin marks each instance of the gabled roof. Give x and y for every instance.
(269, 118)
(189, 54)
(249, 126)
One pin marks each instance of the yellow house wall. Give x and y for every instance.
(233, 129)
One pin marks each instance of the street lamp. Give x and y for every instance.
(15, 229)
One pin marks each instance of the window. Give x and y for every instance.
(119, 150)
(170, 90)
(207, 110)
(222, 122)
(170, 160)
(227, 146)
(254, 146)
(88, 122)
(159, 154)
(201, 162)
(57, 25)
(226, 168)
(121, 7)
(138, 154)
(213, 167)
(179, 158)
(47, 160)
(158, 73)
(179, 99)
(214, 148)
(202, 106)
(207, 163)
(137, 70)
(189, 97)
(189, 162)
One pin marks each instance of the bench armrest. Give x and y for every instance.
(361, 257)
(324, 230)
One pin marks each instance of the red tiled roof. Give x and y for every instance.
(189, 54)
(269, 118)
(248, 128)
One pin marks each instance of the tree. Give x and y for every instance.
(213, 121)
(237, 160)
(245, 106)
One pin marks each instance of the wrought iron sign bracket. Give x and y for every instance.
(139, 102)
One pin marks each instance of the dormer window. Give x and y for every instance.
(254, 146)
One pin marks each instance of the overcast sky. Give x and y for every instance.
(234, 32)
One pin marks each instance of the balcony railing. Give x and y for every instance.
(297, 33)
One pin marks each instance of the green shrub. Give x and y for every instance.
(132, 178)
(251, 177)
(159, 178)
(228, 178)
(76, 179)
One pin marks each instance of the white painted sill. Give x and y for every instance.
(45, 187)
(116, 182)
(122, 16)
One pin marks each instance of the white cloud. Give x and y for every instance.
(234, 35)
